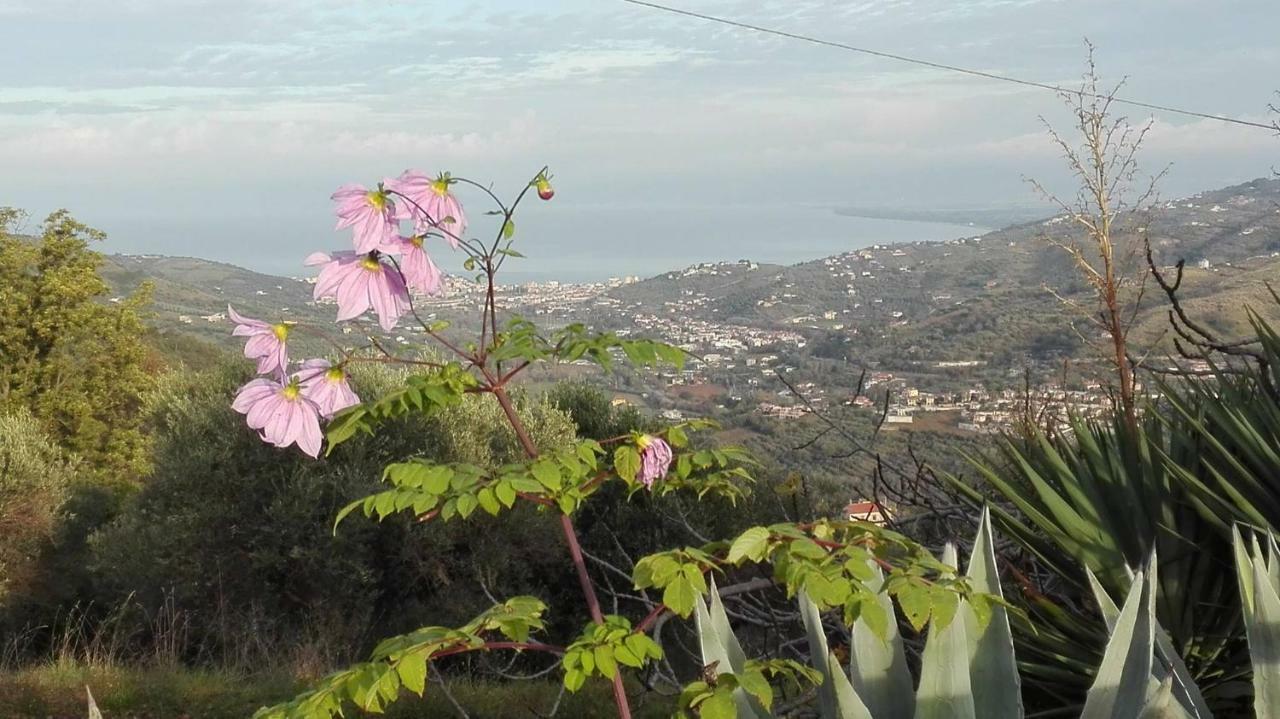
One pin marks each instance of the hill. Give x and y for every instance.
(898, 306)
(981, 297)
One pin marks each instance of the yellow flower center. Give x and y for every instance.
(416, 241)
(644, 442)
(377, 199)
(371, 264)
(441, 187)
(336, 374)
(281, 331)
(291, 391)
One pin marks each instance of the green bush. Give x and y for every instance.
(35, 481)
(238, 537)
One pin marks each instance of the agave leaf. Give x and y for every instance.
(1162, 705)
(1273, 561)
(848, 701)
(720, 646)
(93, 706)
(1182, 685)
(819, 653)
(1120, 688)
(993, 671)
(878, 669)
(836, 697)
(720, 623)
(1262, 626)
(945, 690)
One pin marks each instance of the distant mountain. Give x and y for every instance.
(957, 299)
(890, 304)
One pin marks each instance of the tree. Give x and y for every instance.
(67, 355)
(1105, 225)
(34, 479)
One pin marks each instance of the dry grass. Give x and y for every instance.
(56, 691)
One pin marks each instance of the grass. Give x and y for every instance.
(57, 691)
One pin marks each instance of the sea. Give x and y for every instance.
(560, 240)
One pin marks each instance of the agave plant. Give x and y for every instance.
(967, 670)
(968, 667)
(1104, 495)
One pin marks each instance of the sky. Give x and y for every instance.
(218, 128)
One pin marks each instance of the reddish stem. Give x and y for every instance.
(493, 646)
(571, 539)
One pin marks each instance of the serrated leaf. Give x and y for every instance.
(915, 601)
(412, 669)
(751, 544)
(679, 596)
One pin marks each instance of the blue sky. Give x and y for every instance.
(219, 127)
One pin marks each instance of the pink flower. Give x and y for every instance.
(266, 342)
(432, 205)
(371, 212)
(420, 273)
(655, 460)
(361, 281)
(281, 414)
(326, 386)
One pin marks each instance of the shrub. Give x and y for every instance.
(35, 480)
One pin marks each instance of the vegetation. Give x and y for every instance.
(72, 360)
(494, 550)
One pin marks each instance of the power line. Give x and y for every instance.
(936, 65)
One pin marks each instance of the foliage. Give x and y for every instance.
(402, 662)
(72, 359)
(240, 536)
(593, 414)
(968, 667)
(35, 481)
(140, 691)
(1104, 496)
(823, 559)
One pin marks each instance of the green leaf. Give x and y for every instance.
(547, 474)
(488, 501)
(916, 602)
(574, 679)
(1261, 604)
(718, 706)
(679, 596)
(505, 493)
(755, 684)
(751, 544)
(626, 462)
(437, 480)
(603, 655)
(467, 504)
(625, 656)
(412, 669)
(508, 229)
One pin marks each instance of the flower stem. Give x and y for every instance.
(571, 539)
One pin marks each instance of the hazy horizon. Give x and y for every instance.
(667, 239)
